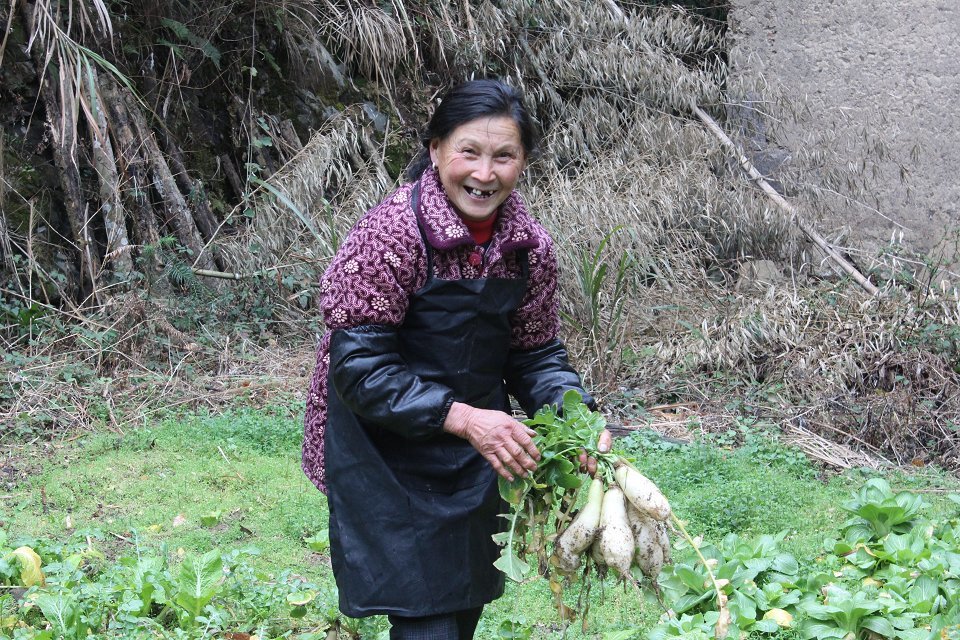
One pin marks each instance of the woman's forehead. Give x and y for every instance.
(498, 129)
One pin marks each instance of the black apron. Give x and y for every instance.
(411, 521)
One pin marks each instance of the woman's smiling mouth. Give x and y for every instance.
(478, 193)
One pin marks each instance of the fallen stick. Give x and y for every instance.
(758, 178)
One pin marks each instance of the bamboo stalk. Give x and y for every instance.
(227, 275)
(224, 275)
(129, 157)
(758, 178)
(105, 165)
(57, 91)
(179, 215)
(202, 214)
(233, 178)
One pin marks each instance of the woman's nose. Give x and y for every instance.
(483, 171)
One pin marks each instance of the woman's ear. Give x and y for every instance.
(433, 151)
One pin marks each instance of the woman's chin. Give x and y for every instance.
(477, 210)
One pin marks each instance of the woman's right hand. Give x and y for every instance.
(506, 443)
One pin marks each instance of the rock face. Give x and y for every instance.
(892, 67)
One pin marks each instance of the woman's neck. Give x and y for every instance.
(481, 230)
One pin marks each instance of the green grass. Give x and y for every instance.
(152, 486)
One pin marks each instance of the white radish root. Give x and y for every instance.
(648, 554)
(663, 537)
(652, 540)
(597, 556)
(615, 538)
(637, 519)
(575, 539)
(642, 493)
(565, 561)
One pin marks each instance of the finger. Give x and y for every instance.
(527, 461)
(518, 469)
(517, 459)
(605, 441)
(499, 468)
(525, 441)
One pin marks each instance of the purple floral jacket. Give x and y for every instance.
(383, 262)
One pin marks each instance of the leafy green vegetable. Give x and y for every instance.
(199, 581)
(879, 511)
(543, 500)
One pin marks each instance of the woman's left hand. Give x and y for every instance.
(588, 464)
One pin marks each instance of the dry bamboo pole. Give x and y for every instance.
(193, 189)
(132, 165)
(758, 178)
(232, 176)
(57, 91)
(179, 215)
(105, 166)
(227, 275)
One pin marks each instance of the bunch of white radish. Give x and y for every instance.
(622, 525)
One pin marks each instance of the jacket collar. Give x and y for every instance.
(445, 230)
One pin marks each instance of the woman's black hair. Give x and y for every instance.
(469, 101)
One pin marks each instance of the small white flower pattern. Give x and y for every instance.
(392, 259)
(351, 266)
(454, 231)
(380, 304)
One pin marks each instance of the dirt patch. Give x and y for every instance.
(17, 464)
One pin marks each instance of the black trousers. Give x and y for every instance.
(458, 625)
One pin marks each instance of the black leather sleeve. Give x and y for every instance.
(373, 381)
(541, 376)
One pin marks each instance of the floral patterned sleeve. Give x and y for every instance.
(378, 267)
(537, 320)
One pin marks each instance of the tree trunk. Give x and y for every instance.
(63, 143)
(232, 176)
(114, 214)
(206, 221)
(131, 163)
(175, 207)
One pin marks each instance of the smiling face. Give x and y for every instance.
(479, 164)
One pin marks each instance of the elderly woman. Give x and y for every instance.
(440, 303)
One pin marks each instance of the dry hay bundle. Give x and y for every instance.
(305, 208)
(875, 373)
(661, 197)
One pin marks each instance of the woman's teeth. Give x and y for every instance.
(477, 193)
